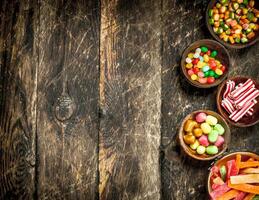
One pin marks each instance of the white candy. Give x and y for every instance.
(188, 60)
(196, 55)
(198, 50)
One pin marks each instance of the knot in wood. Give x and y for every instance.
(64, 107)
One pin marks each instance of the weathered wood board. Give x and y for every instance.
(130, 92)
(18, 59)
(67, 119)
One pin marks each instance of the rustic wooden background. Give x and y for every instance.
(91, 99)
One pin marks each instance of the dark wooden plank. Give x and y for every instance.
(130, 100)
(184, 23)
(18, 66)
(68, 80)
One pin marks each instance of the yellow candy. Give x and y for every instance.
(205, 127)
(194, 77)
(188, 65)
(200, 64)
(206, 58)
(190, 55)
(218, 72)
(217, 63)
(211, 120)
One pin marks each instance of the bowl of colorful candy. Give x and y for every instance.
(235, 176)
(204, 135)
(205, 63)
(234, 23)
(237, 101)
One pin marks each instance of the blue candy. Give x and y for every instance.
(205, 68)
(201, 58)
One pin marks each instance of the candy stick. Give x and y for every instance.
(229, 88)
(244, 95)
(249, 112)
(235, 98)
(228, 106)
(238, 115)
(241, 89)
(250, 97)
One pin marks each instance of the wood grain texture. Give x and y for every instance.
(130, 89)
(18, 67)
(183, 24)
(67, 122)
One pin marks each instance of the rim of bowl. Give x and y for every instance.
(184, 146)
(195, 83)
(224, 156)
(220, 109)
(216, 37)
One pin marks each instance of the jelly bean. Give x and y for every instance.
(212, 150)
(213, 68)
(197, 132)
(219, 141)
(190, 72)
(200, 74)
(206, 128)
(220, 129)
(200, 117)
(211, 73)
(206, 58)
(203, 140)
(188, 60)
(200, 64)
(189, 139)
(205, 68)
(198, 50)
(218, 72)
(196, 55)
(189, 125)
(210, 12)
(195, 145)
(196, 70)
(202, 80)
(206, 74)
(223, 172)
(194, 77)
(214, 54)
(190, 55)
(195, 61)
(201, 58)
(208, 52)
(204, 49)
(210, 80)
(213, 136)
(201, 150)
(223, 68)
(188, 65)
(211, 120)
(216, 76)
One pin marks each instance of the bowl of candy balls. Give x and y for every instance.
(205, 63)
(234, 23)
(237, 101)
(235, 176)
(204, 135)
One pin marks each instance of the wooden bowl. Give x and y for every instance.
(246, 120)
(224, 159)
(223, 57)
(229, 45)
(193, 153)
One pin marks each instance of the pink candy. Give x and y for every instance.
(201, 74)
(201, 117)
(219, 141)
(203, 80)
(190, 72)
(203, 140)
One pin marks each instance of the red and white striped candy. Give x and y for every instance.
(238, 114)
(244, 95)
(229, 88)
(250, 97)
(228, 106)
(241, 89)
(249, 112)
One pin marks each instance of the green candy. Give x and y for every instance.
(235, 6)
(213, 54)
(244, 40)
(210, 12)
(237, 40)
(223, 172)
(256, 197)
(211, 21)
(216, 76)
(228, 32)
(225, 27)
(219, 128)
(212, 150)
(218, 5)
(220, 30)
(223, 1)
(204, 49)
(250, 16)
(245, 2)
(211, 73)
(249, 30)
(232, 15)
(206, 74)
(213, 136)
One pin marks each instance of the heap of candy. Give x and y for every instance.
(234, 21)
(235, 179)
(203, 67)
(239, 100)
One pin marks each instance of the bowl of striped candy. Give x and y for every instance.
(237, 101)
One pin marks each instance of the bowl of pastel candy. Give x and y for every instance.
(235, 176)
(237, 101)
(204, 135)
(205, 63)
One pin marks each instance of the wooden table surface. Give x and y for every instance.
(91, 99)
